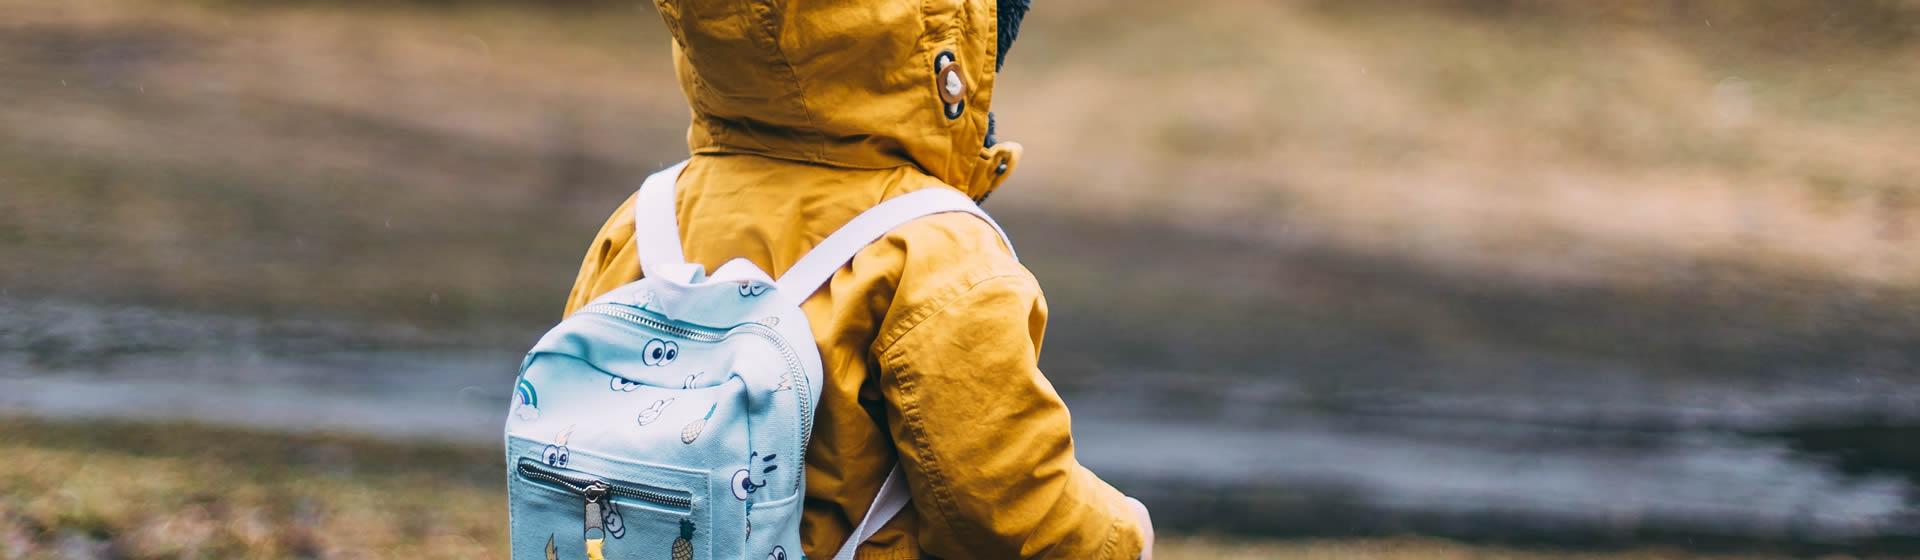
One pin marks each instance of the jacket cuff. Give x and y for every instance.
(890, 554)
(1123, 542)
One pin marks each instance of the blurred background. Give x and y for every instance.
(1329, 279)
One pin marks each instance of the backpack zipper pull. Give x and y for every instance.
(596, 531)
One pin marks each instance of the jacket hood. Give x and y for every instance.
(846, 83)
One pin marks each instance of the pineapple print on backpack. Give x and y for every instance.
(683, 546)
(692, 430)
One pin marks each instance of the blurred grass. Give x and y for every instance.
(1541, 139)
(1686, 186)
(79, 490)
(286, 159)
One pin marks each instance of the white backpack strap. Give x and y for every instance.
(892, 498)
(656, 226)
(814, 269)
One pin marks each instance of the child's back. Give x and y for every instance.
(805, 115)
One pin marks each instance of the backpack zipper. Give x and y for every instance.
(794, 371)
(594, 489)
(623, 312)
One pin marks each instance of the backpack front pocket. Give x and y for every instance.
(560, 512)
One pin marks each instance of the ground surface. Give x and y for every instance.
(172, 490)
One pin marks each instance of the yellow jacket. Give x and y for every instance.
(804, 115)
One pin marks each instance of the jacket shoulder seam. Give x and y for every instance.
(917, 316)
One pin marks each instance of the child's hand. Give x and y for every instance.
(1146, 528)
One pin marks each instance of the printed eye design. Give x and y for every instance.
(743, 483)
(652, 413)
(779, 553)
(621, 385)
(659, 352)
(750, 289)
(610, 520)
(556, 455)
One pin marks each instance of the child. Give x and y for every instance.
(806, 114)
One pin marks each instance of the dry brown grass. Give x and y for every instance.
(287, 157)
(446, 162)
(1407, 548)
(1566, 143)
(178, 491)
(1497, 137)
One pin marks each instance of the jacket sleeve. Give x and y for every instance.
(983, 438)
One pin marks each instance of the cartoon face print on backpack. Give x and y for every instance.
(557, 455)
(743, 484)
(749, 289)
(610, 520)
(779, 553)
(621, 385)
(659, 352)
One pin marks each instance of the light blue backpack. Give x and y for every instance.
(669, 418)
